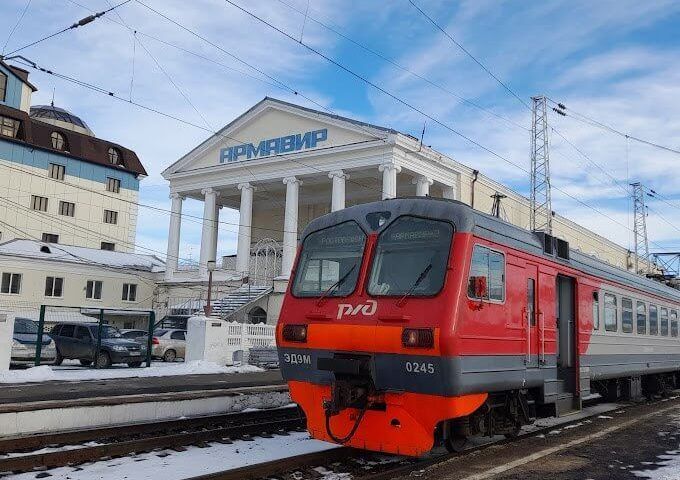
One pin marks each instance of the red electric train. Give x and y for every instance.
(415, 321)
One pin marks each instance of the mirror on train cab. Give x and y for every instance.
(479, 287)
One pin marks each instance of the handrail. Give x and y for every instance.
(541, 316)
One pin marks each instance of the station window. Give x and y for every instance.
(11, 283)
(488, 264)
(110, 216)
(50, 238)
(54, 287)
(59, 142)
(664, 321)
(611, 313)
(56, 171)
(653, 320)
(9, 127)
(108, 246)
(129, 292)
(39, 203)
(67, 208)
(112, 185)
(596, 310)
(626, 315)
(674, 323)
(115, 157)
(641, 314)
(93, 290)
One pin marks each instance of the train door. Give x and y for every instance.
(531, 312)
(565, 301)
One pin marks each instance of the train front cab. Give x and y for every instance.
(364, 329)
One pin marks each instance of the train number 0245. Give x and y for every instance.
(420, 367)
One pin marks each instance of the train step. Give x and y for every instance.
(567, 404)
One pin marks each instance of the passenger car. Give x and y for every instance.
(25, 340)
(416, 321)
(78, 341)
(168, 344)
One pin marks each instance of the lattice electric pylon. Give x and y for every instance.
(640, 228)
(541, 205)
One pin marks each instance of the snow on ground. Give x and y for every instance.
(171, 465)
(46, 373)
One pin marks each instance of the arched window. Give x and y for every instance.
(59, 141)
(257, 315)
(115, 157)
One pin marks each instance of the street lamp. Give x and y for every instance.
(211, 268)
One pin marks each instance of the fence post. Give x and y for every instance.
(41, 329)
(99, 337)
(149, 338)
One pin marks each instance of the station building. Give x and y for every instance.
(282, 165)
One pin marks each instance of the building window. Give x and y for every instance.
(611, 313)
(54, 287)
(112, 185)
(39, 203)
(67, 208)
(93, 290)
(3, 86)
(653, 320)
(110, 217)
(626, 315)
(9, 127)
(59, 141)
(641, 318)
(57, 171)
(108, 246)
(115, 157)
(129, 292)
(490, 265)
(11, 283)
(50, 238)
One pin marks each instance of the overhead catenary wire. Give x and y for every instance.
(80, 23)
(16, 25)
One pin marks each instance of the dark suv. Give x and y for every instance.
(78, 341)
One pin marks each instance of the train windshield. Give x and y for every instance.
(411, 258)
(330, 262)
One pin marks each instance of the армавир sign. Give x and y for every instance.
(274, 146)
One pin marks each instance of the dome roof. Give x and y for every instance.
(60, 117)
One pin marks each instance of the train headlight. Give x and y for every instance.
(295, 333)
(417, 338)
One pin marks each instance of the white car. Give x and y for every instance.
(25, 340)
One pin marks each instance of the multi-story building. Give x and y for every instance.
(59, 183)
(282, 165)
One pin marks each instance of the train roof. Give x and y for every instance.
(466, 219)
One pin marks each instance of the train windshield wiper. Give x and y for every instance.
(336, 285)
(418, 281)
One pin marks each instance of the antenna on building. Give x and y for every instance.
(422, 136)
(541, 205)
(53, 89)
(496, 208)
(640, 227)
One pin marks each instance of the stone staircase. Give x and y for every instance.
(238, 299)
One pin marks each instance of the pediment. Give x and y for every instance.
(273, 129)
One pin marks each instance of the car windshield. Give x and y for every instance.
(411, 258)
(329, 263)
(108, 332)
(25, 326)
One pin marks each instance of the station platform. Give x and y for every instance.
(52, 406)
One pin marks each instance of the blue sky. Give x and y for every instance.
(616, 61)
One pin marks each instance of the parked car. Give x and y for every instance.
(168, 344)
(78, 341)
(25, 340)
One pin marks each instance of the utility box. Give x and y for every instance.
(6, 336)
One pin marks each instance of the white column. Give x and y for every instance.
(290, 224)
(208, 246)
(389, 183)
(338, 195)
(173, 235)
(244, 228)
(449, 192)
(422, 184)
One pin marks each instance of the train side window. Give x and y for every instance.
(653, 320)
(596, 310)
(611, 313)
(664, 321)
(531, 301)
(626, 315)
(641, 318)
(674, 323)
(490, 265)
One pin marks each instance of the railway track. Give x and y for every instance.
(35, 452)
(362, 465)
